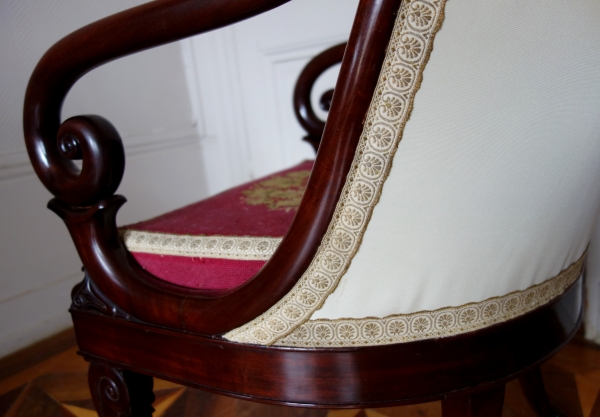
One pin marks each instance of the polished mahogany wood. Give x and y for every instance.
(485, 403)
(120, 393)
(303, 108)
(533, 388)
(85, 201)
(373, 376)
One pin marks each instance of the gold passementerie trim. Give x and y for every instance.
(443, 322)
(248, 248)
(408, 51)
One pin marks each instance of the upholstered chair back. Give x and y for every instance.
(475, 187)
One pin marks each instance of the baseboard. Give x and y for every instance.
(36, 353)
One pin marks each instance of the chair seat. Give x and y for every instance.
(223, 241)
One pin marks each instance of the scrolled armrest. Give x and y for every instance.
(52, 146)
(84, 199)
(305, 113)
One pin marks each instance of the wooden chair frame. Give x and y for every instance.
(131, 325)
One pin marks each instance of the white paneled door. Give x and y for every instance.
(243, 79)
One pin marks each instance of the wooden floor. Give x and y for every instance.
(57, 386)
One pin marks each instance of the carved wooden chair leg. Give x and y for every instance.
(118, 393)
(533, 388)
(486, 403)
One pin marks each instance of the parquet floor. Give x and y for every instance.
(57, 386)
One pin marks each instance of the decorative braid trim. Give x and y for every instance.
(408, 52)
(247, 248)
(443, 322)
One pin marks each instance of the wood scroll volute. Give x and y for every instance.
(86, 202)
(303, 108)
(84, 198)
(120, 393)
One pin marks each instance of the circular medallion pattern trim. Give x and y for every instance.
(248, 248)
(400, 78)
(444, 322)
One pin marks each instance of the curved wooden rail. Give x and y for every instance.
(85, 200)
(131, 31)
(350, 377)
(302, 104)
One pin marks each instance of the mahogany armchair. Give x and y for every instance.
(441, 276)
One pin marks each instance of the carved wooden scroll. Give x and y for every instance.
(302, 92)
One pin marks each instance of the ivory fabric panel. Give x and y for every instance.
(486, 207)
(496, 182)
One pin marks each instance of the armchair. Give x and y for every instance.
(436, 253)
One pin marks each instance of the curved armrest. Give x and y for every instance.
(85, 200)
(152, 24)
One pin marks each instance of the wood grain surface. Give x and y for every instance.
(58, 384)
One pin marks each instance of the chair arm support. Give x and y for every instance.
(52, 147)
(85, 200)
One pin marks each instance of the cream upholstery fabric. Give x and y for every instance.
(495, 184)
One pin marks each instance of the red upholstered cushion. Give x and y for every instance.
(223, 241)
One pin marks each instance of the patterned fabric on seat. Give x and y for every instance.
(223, 241)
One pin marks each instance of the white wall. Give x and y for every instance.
(246, 75)
(145, 96)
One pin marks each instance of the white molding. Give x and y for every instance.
(16, 165)
(232, 73)
(216, 88)
(276, 133)
(41, 287)
(191, 76)
(280, 58)
(298, 49)
(159, 141)
(212, 66)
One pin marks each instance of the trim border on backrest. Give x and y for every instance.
(86, 202)
(390, 107)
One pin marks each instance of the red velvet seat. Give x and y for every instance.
(223, 241)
